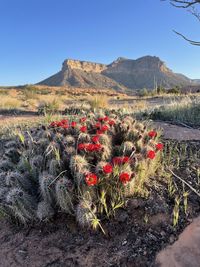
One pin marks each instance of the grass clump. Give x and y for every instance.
(48, 107)
(98, 101)
(186, 111)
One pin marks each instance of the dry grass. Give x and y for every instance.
(98, 101)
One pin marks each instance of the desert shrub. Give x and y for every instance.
(4, 91)
(175, 90)
(187, 112)
(143, 92)
(98, 101)
(87, 168)
(8, 102)
(48, 107)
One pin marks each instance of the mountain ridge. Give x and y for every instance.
(121, 75)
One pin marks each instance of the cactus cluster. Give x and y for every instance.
(86, 167)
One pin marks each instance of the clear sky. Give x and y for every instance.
(37, 35)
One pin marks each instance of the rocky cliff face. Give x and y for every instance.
(122, 74)
(83, 65)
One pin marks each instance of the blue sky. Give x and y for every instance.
(37, 35)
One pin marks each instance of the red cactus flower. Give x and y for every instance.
(111, 122)
(91, 179)
(83, 129)
(107, 168)
(104, 128)
(53, 124)
(106, 118)
(93, 147)
(99, 132)
(151, 154)
(120, 160)
(59, 124)
(152, 134)
(100, 119)
(83, 119)
(95, 139)
(124, 177)
(90, 147)
(159, 146)
(65, 126)
(98, 125)
(73, 124)
(81, 146)
(97, 147)
(125, 159)
(64, 121)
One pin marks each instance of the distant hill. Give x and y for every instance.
(123, 74)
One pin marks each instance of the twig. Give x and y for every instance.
(185, 125)
(57, 177)
(192, 188)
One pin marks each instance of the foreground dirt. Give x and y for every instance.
(176, 132)
(133, 237)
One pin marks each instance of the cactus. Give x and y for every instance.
(15, 179)
(54, 167)
(64, 194)
(50, 169)
(6, 165)
(3, 179)
(85, 213)
(84, 138)
(44, 211)
(46, 187)
(106, 153)
(99, 167)
(11, 144)
(69, 140)
(21, 205)
(78, 164)
(105, 140)
(13, 154)
(127, 148)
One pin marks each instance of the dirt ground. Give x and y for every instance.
(133, 237)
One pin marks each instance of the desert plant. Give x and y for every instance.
(98, 101)
(86, 166)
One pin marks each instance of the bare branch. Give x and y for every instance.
(188, 40)
(184, 4)
(195, 12)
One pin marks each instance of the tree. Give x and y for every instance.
(192, 7)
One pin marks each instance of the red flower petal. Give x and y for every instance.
(124, 177)
(91, 179)
(107, 168)
(151, 154)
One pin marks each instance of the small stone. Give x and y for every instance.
(124, 242)
(171, 239)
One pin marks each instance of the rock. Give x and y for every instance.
(185, 251)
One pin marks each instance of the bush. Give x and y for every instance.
(98, 101)
(144, 92)
(48, 107)
(86, 168)
(176, 90)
